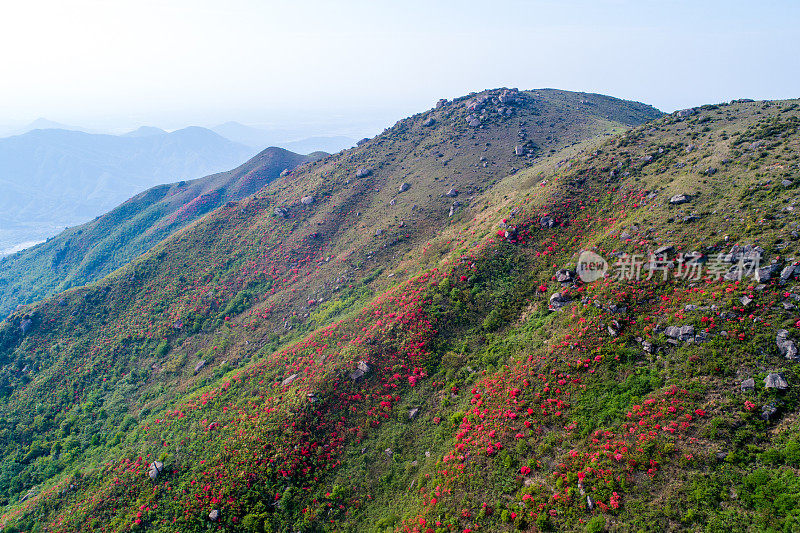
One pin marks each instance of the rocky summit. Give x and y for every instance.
(401, 336)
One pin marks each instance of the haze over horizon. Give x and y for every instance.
(117, 66)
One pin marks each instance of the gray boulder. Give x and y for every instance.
(682, 333)
(765, 273)
(430, 121)
(769, 411)
(404, 187)
(307, 200)
(747, 254)
(453, 208)
(748, 385)
(789, 271)
(362, 369)
(787, 346)
(156, 467)
(566, 276)
(558, 300)
(663, 250)
(775, 381)
(679, 199)
(289, 380)
(363, 172)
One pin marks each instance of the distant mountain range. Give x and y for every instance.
(54, 175)
(85, 253)
(262, 137)
(53, 178)
(40, 124)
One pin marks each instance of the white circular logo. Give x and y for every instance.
(591, 266)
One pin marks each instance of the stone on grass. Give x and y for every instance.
(775, 381)
(679, 199)
(156, 467)
(787, 346)
(558, 300)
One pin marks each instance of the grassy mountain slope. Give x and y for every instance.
(85, 253)
(523, 414)
(480, 409)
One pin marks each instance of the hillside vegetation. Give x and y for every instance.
(333, 354)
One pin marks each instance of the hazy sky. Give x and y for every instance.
(172, 62)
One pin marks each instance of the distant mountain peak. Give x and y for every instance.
(42, 123)
(146, 131)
